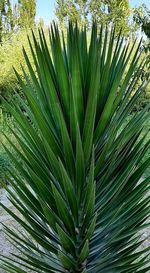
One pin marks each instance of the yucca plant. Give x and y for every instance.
(76, 184)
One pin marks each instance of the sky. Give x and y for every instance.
(46, 8)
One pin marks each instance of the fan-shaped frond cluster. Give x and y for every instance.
(76, 183)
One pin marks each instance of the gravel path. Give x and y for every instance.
(6, 248)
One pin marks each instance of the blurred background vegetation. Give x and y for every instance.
(17, 18)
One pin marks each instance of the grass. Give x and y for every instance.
(6, 120)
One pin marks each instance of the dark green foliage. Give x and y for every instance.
(76, 184)
(143, 101)
(142, 18)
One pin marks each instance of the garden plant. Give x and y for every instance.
(75, 179)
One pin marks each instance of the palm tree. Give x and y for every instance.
(76, 184)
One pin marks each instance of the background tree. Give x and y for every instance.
(6, 17)
(2, 12)
(27, 12)
(14, 23)
(111, 11)
(142, 19)
(10, 17)
(141, 16)
(67, 10)
(103, 11)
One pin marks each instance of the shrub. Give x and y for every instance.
(5, 121)
(76, 186)
(144, 100)
(11, 55)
